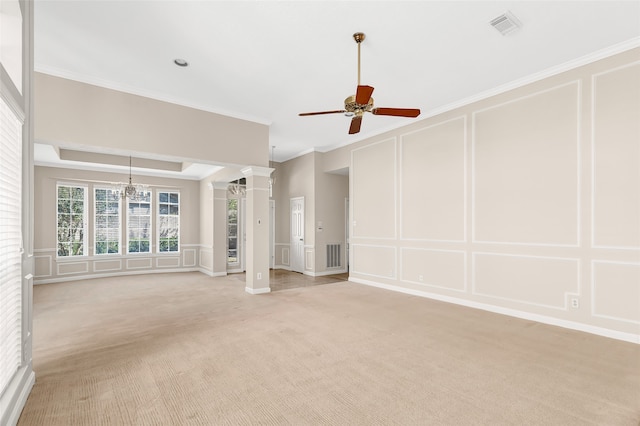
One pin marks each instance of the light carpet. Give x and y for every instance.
(187, 349)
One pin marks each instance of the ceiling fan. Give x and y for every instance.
(356, 105)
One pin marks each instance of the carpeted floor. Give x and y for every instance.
(187, 349)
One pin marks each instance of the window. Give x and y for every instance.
(168, 222)
(72, 220)
(232, 231)
(139, 224)
(10, 244)
(107, 221)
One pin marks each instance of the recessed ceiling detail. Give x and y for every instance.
(181, 62)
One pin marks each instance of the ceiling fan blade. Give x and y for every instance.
(303, 114)
(363, 94)
(356, 122)
(398, 112)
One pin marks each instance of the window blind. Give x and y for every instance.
(10, 244)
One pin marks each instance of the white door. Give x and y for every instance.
(297, 234)
(272, 234)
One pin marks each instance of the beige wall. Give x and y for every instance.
(524, 203)
(69, 112)
(324, 195)
(50, 268)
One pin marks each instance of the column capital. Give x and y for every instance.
(257, 171)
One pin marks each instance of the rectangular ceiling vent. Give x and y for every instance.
(506, 23)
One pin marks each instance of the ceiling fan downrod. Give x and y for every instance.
(359, 38)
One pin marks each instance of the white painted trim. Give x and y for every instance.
(21, 393)
(140, 267)
(578, 167)
(262, 290)
(326, 273)
(119, 274)
(593, 159)
(464, 185)
(572, 325)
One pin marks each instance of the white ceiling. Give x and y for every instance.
(267, 61)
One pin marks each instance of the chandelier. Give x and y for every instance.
(133, 192)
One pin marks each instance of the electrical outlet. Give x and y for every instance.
(259, 275)
(420, 278)
(575, 303)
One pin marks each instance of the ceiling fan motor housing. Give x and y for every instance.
(351, 105)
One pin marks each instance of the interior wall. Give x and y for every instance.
(50, 268)
(525, 203)
(295, 178)
(70, 112)
(331, 195)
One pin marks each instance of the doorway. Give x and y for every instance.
(297, 234)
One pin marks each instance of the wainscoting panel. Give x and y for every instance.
(139, 263)
(375, 261)
(206, 259)
(521, 193)
(538, 281)
(189, 257)
(168, 262)
(434, 268)
(433, 182)
(107, 265)
(68, 268)
(610, 280)
(43, 266)
(373, 180)
(616, 158)
(309, 256)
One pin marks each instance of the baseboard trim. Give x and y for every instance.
(120, 274)
(600, 331)
(262, 290)
(21, 393)
(325, 273)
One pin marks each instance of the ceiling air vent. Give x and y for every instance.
(506, 23)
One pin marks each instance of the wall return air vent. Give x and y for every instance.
(506, 23)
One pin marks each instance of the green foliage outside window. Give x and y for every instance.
(71, 221)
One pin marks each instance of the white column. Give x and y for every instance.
(257, 229)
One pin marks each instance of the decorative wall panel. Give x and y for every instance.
(139, 263)
(107, 265)
(615, 290)
(525, 169)
(616, 158)
(434, 268)
(167, 262)
(433, 177)
(373, 180)
(540, 281)
(375, 261)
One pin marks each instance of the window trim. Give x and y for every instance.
(168, 191)
(143, 253)
(95, 222)
(85, 219)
